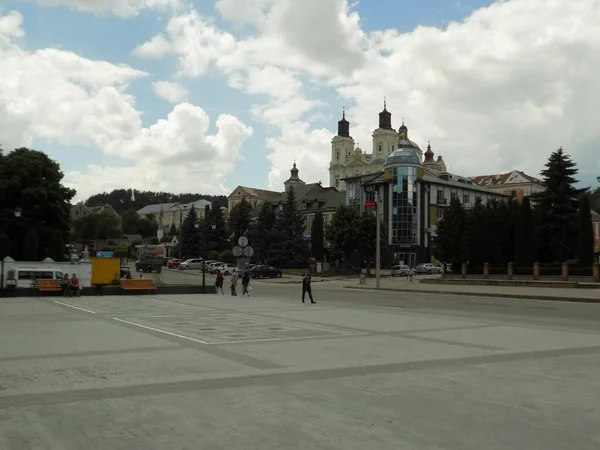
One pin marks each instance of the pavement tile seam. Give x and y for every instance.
(277, 378)
(89, 353)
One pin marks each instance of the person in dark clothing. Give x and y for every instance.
(219, 282)
(306, 289)
(245, 284)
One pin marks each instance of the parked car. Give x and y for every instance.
(265, 272)
(400, 271)
(172, 263)
(428, 268)
(227, 269)
(212, 267)
(194, 263)
(208, 262)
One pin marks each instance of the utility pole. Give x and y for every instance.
(377, 243)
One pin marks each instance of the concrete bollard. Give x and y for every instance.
(565, 271)
(596, 272)
(486, 271)
(463, 270)
(536, 271)
(511, 271)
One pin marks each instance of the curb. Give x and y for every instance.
(481, 294)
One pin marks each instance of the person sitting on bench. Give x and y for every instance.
(74, 283)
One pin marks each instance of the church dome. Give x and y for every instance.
(402, 157)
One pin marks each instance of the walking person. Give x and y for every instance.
(306, 288)
(234, 279)
(219, 282)
(245, 284)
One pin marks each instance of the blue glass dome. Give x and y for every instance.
(401, 157)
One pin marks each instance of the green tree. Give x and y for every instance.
(32, 181)
(129, 220)
(213, 230)
(191, 246)
(451, 234)
(525, 244)
(290, 246)
(31, 246)
(240, 218)
(595, 199)
(585, 254)
(263, 234)
(477, 234)
(317, 237)
(341, 231)
(367, 237)
(4, 245)
(147, 227)
(227, 256)
(557, 207)
(97, 226)
(56, 246)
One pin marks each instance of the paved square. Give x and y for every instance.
(214, 372)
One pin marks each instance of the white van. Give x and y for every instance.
(23, 278)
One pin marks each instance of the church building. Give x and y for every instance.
(349, 160)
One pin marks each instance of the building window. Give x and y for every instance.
(337, 182)
(466, 198)
(404, 206)
(337, 154)
(380, 148)
(477, 198)
(453, 195)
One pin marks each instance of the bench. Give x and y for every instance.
(138, 285)
(48, 286)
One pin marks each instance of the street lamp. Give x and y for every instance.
(18, 212)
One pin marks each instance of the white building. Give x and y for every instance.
(349, 160)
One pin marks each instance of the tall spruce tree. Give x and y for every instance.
(477, 234)
(317, 238)
(191, 247)
(556, 208)
(585, 248)
(263, 232)
(290, 228)
(240, 218)
(451, 234)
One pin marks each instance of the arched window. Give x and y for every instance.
(380, 148)
(337, 155)
(337, 182)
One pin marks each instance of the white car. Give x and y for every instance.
(227, 269)
(195, 263)
(213, 266)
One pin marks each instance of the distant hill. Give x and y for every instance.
(123, 199)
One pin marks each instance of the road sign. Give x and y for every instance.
(237, 251)
(105, 254)
(243, 241)
(248, 252)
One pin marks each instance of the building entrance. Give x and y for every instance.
(409, 259)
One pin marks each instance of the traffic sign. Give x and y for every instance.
(248, 252)
(243, 241)
(105, 254)
(237, 251)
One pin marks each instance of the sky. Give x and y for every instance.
(205, 95)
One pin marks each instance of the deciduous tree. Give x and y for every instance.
(585, 254)
(317, 237)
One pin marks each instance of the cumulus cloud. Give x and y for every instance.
(61, 97)
(176, 154)
(170, 91)
(498, 90)
(122, 8)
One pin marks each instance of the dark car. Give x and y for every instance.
(265, 272)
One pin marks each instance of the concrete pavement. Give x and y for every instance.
(377, 370)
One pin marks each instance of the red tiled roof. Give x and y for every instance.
(502, 178)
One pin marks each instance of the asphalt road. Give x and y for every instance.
(358, 370)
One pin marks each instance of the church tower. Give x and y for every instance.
(384, 137)
(342, 149)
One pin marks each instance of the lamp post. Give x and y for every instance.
(18, 212)
(377, 244)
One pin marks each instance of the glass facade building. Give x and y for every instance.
(404, 206)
